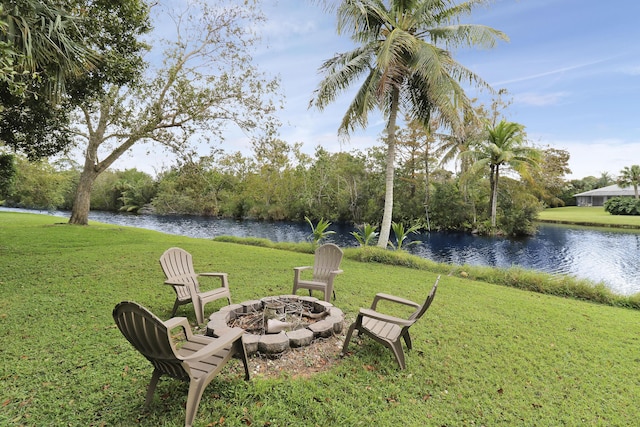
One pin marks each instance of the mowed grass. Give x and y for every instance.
(588, 215)
(484, 355)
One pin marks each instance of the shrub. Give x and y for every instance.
(622, 206)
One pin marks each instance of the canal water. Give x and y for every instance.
(611, 256)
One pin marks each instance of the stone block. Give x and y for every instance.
(251, 343)
(273, 343)
(219, 317)
(300, 337)
(251, 306)
(320, 306)
(336, 322)
(322, 329)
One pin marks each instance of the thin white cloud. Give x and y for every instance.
(557, 71)
(539, 99)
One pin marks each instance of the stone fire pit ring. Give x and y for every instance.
(276, 343)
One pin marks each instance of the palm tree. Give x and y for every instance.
(402, 55)
(605, 179)
(44, 40)
(503, 146)
(630, 175)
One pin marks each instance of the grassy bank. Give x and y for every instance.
(516, 277)
(483, 355)
(594, 216)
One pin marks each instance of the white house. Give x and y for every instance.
(598, 196)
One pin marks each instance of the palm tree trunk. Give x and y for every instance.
(427, 192)
(385, 228)
(494, 196)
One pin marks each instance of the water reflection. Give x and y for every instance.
(611, 256)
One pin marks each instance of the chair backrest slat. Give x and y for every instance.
(149, 336)
(177, 262)
(418, 314)
(327, 259)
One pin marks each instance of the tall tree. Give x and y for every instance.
(630, 175)
(548, 181)
(504, 146)
(605, 179)
(207, 81)
(415, 144)
(62, 52)
(402, 55)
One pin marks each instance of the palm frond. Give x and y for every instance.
(340, 72)
(365, 101)
(362, 18)
(467, 35)
(448, 12)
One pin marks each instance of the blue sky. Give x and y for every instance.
(571, 68)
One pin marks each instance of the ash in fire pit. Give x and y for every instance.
(279, 314)
(275, 324)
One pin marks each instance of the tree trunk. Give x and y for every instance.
(82, 201)
(427, 192)
(494, 196)
(92, 168)
(387, 215)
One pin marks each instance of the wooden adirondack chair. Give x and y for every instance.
(197, 361)
(177, 265)
(326, 266)
(389, 330)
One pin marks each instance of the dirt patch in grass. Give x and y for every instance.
(321, 355)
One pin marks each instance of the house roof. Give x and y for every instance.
(609, 191)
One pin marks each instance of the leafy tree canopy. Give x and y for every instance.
(56, 58)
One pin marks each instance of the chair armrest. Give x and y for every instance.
(212, 274)
(217, 344)
(336, 272)
(224, 277)
(384, 317)
(297, 272)
(176, 322)
(392, 298)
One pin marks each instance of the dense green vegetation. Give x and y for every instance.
(404, 63)
(280, 183)
(57, 55)
(483, 355)
(622, 206)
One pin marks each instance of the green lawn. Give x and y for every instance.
(484, 354)
(592, 216)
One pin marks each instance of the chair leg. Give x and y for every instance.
(196, 388)
(407, 340)
(198, 307)
(175, 307)
(242, 351)
(353, 326)
(396, 347)
(152, 387)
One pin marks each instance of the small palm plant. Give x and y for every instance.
(320, 231)
(365, 234)
(402, 235)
